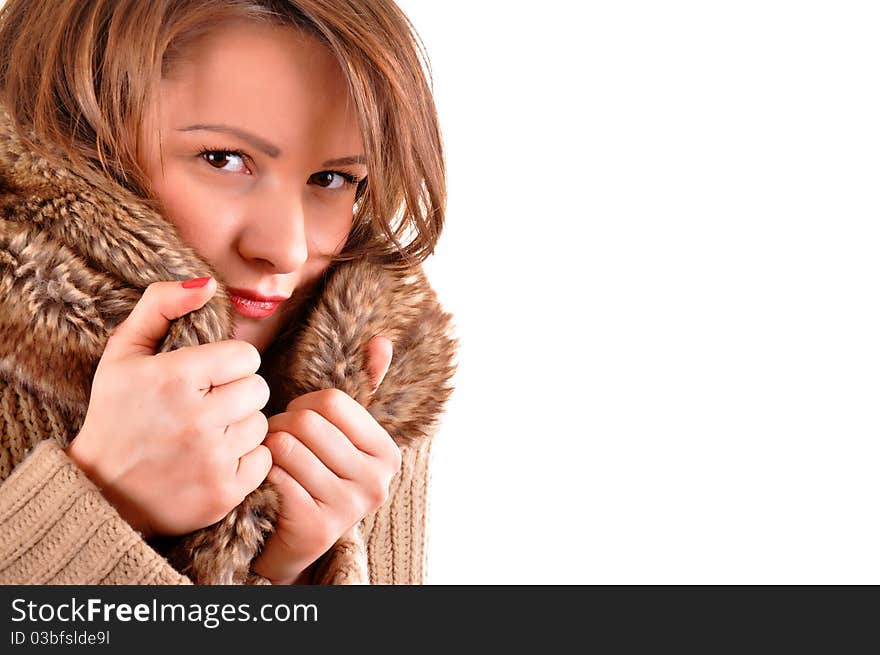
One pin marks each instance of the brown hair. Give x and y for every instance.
(79, 73)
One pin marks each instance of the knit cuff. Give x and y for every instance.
(397, 542)
(57, 528)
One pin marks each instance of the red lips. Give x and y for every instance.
(253, 295)
(254, 305)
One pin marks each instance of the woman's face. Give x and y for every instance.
(260, 158)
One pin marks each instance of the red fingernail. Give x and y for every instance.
(195, 283)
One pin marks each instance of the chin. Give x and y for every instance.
(242, 333)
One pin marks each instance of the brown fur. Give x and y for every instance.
(74, 260)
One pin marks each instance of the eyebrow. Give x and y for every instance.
(270, 149)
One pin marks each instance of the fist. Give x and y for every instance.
(332, 465)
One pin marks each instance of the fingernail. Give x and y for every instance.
(195, 283)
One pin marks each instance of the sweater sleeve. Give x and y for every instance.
(56, 527)
(396, 533)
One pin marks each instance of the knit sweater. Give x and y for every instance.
(57, 528)
(75, 256)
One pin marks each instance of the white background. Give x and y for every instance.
(662, 256)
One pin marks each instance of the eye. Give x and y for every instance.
(220, 159)
(334, 179)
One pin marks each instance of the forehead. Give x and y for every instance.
(272, 80)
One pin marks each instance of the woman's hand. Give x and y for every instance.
(333, 464)
(173, 439)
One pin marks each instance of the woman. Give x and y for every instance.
(240, 191)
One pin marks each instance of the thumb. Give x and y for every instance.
(379, 352)
(148, 322)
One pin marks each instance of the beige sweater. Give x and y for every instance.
(57, 528)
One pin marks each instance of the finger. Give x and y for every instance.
(352, 419)
(148, 322)
(253, 467)
(303, 465)
(217, 363)
(379, 353)
(291, 490)
(235, 401)
(242, 437)
(324, 439)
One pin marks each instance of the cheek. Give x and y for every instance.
(196, 215)
(326, 238)
(327, 233)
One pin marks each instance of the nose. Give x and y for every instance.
(274, 233)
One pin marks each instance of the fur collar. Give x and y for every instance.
(76, 256)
